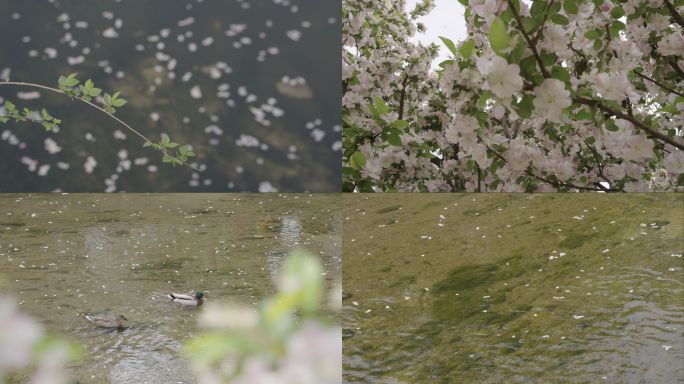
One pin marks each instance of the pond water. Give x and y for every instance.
(64, 256)
(247, 83)
(513, 288)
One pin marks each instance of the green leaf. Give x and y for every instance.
(593, 34)
(445, 63)
(165, 139)
(10, 107)
(518, 52)
(168, 159)
(394, 139)
(45, 115)
(584, 114)
(525, 106)
(610, 125)
(71, 80)
(617, 12)
(538, 10)
(148, 144)
(530, 25)
(119, 102)
(357, 160)
(559, 19)
(561, 74)
(498, 36)
(467, 48)
(400, 124)
(186, 151)
(570, 6)
(380, 106)
(450, 44)
(598, 44)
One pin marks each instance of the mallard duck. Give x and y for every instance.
(187, 300)
(108, 321)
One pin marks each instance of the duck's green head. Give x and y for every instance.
(199, 295)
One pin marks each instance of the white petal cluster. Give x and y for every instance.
(550, 99)
(672, 44)
(613, 86)
(502, 79)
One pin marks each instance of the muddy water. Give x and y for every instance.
(67, 255)
(504, 288)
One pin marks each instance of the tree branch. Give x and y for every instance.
(600, 166)
(92, 105)
(556, 184)
(658, 83)
(631, 119)
(673, 64)
(590, 102)
(402, 97)
(673, 12)
(530, 43)
(541, 27)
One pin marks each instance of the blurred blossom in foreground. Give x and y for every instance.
(313, 356)
(288, 339)
(19, 334)
(23, 342)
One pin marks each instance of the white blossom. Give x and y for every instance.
(550, 99)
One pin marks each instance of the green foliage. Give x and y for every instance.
(87, 92)
(467, 48)
(498, 37)
(449, 44)
(181, 156)
(111, 101)
(357, 161)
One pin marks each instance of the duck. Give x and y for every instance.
(187, 300)
(108, 321)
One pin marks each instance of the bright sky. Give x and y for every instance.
(445, 20)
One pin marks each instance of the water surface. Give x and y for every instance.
(247, 83)
(64, 256)
(512, 288)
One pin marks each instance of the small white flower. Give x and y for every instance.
(501, 78)
(614, 86)
(671, 45)
(674, 162)
(550, 99)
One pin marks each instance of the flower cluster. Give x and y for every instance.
(552, 95)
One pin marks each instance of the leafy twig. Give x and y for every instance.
(71, 86)
(639, 124)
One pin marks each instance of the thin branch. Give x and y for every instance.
(556, 184)
(600, 166)
(404, 83)
(631, 119)
(610, 40)
(541, 27)
(23, 84)
(590, 102)
(673, 12)
(92, 105)
(530, 43)
(675, 66)
(658, 83)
